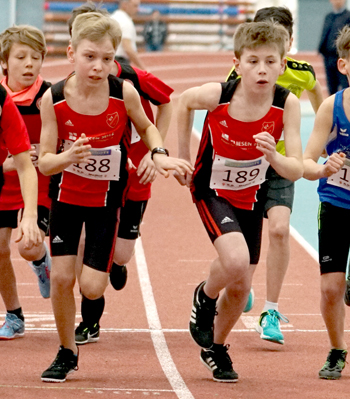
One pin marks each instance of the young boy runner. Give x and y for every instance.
(88, 116)
(330, 132)
(151, 90)
(297, 77)
(245, 121)
(23, 50)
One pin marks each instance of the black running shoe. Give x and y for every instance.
(118, 276)
(65, 363)
(85, 334)
(218, 361)
(202, 318)
(334, 365)
(347, 293)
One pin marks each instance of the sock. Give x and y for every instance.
(18, 312)
(216, 347)
(270, 305)
(40, 261)
(92, 310)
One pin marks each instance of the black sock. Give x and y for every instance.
(40, 261)
(18, 312)
(92, 310)
(216, 347)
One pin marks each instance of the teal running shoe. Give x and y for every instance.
(12, 328)
(269, 326)
(250, 302)
(43, 273)
(334, 365)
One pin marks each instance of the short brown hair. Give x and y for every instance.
(343, 42)
(255, 34)
(89, 6)
(23, 34)
(95, 26)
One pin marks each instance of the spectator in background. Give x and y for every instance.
(127, 51)
(155, 32)
(333, 24)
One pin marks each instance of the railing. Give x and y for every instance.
(193, 25)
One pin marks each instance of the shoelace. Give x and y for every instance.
(333, 358)
(278, 316)
(224, 359)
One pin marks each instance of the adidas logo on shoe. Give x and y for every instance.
(226, 219)
(57, 240)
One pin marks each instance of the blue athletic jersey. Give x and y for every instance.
(339, 141)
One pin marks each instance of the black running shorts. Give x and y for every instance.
(333, 241)
(66, 222)
(131, 215)
(220, 217)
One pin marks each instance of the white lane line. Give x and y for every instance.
(88, 389)
(156, 331)
(301, 240)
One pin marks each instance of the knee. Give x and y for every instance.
(279, 232)
(332, 293)
(92, 290)
(30, 254)
(235, 265)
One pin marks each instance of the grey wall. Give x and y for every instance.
(27, 12)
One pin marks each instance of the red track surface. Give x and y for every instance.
(145, 349)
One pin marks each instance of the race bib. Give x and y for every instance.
(104, 163)
(35, 157)
(342, 177)
(230, 174)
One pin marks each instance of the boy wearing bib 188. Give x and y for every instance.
(245, 121)
(331, 131)
(87, 117)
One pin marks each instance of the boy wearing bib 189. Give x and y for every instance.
(86, 118)
(331, 131)
(245, 121)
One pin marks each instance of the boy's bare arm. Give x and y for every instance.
(28, 229)
(316, 144)
(132, 54)
(51, 163)
(315, 96)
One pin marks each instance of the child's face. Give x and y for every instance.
(93, 60)
(23, 66)
(260, 67)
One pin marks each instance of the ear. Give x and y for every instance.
(70, 53)
(237, 63)
(283, 65)
(3, 64)
(290, 44)
(343, 66)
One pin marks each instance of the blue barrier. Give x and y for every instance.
(149, 8)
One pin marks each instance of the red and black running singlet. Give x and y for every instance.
(11, 196)
(102, 181)
(228, 161)
(13, 132)
(151, 90)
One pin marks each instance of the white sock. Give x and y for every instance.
(270, 305)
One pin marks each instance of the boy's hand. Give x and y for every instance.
(147, 170)
(184, 180)
(79, 152)
(164, 163)
(28, 230)
(334, 163)
(265, 142)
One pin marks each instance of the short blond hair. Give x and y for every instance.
(252, 35)
(23, 34)
(343, 43)
(94, 26)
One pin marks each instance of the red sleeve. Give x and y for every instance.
(14, 135)
(158, 91)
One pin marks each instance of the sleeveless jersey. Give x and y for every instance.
(102, 181)
(151, 90)
(13, 132)
(336, 188)
(297, 77)
(11, 197)
(228, 161)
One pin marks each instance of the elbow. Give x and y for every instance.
(43, 170)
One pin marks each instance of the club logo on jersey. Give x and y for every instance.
(268, 127)
(38, 103)
(72, 136)
(112, 119)
(69, 123)
(225, 136)
(343, 132)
